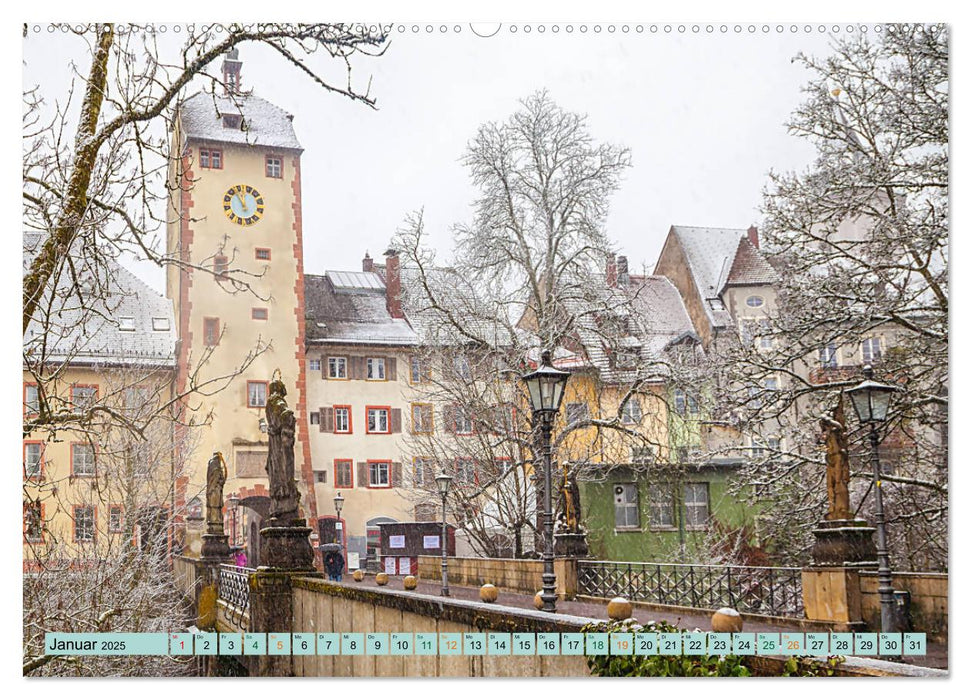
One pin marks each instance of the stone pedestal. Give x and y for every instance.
(844, 543)
(570, 544)
(833, 594)
(286, 548)
(215, 547)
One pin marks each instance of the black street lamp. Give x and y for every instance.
(871, 401)
(338, 506)
(546, 386)
(444, 481)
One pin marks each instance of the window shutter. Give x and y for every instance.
(391, 369)
(396, 474)
(362, 475)
(429, 472)
(324, 366)
(356, 368)
(449, 419)
(327, 419)
(395, 420)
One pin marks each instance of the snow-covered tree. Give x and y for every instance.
(860, 242)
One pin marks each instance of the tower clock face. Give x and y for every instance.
(243, 205)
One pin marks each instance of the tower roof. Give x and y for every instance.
(263, 123)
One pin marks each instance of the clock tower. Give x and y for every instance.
(235, 224)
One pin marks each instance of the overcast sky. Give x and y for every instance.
(702, 113)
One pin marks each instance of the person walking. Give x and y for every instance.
(338, 566)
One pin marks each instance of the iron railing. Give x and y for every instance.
(234, 590)
(750, 589)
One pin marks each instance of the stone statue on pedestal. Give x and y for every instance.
(841, 539)
(280, 421)
(285, 537)
(215, 543)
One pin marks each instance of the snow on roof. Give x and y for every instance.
(654, 315)
(98, 331)
(352, 314)
(709, 253)
(265, 124)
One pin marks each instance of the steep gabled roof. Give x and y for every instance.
(92, 332)
(265, 124)
(749, 268)
(351, 308)
(718, 257)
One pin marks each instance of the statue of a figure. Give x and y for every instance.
(215, 481)
(837, 464)
(280, 423)
(569, 505)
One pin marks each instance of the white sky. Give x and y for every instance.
(702, 113)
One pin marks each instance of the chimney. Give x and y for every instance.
(367, 265)
(753, 235)
(392, 283)
(611, 270)
(231, 69)
(622, 275)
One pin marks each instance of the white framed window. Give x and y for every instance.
(83, 523)
(577, 412)
(342, 419)
(256, 394)
(33, 454)
(315, 418)
(464, 471)
(378, 420)
(462, 367)
(662, 507)
(696, 506)
(116, 519)
(274, 166)
(872, 351)
(82, 459)
(337, 368)
(626, 512)
(375, 368)
(31, 399)
(631, 415)
(379, 474)
(83, 397)
(463, 421)
(313, 365)
(828, 356)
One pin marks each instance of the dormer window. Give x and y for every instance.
(126, 323)
(716, 304)
(160, 323)
(233, 121)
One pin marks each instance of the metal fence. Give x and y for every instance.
(234, 590)
(750, 589)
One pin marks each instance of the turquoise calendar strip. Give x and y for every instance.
(489, 644)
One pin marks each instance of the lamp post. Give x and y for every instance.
(338, 506)
(444, 481)
(234, 509)
(871, 401)
(546, 386)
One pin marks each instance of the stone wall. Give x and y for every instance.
(928, 601)
(520, 575)
(321, 606)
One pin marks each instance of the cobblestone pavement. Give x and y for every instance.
(936, 653)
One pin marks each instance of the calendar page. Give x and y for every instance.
(549, 348)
